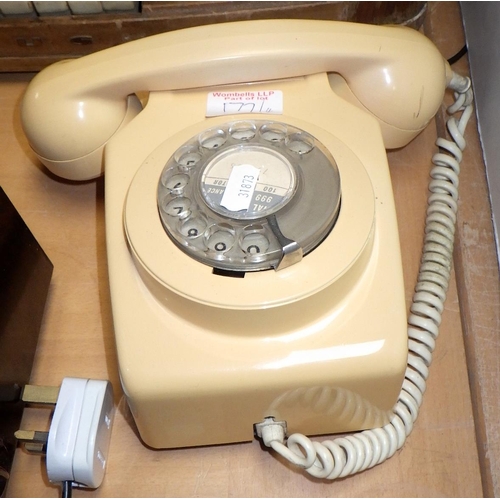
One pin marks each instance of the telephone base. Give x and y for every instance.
(321, 344)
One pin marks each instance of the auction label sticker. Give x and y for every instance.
(240, 187)
(248, 101)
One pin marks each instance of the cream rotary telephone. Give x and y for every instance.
(254, 260)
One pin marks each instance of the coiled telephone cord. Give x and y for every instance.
(348, 455)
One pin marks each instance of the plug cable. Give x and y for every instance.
(455, 58)
(67, 489)
(344, 456)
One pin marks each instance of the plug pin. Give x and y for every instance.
(34, 441)
(40, 394)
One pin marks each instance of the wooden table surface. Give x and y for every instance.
(440, 457)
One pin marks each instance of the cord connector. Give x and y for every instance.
(270, 430)
(78, 439)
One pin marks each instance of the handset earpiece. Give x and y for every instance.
(68, 131)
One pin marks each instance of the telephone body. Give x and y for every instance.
(210, 342)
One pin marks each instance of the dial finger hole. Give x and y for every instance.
(242, 131)
(255, 244)
(193, 227)
(299, 143)
(176, 183)
(213, 139)
(221, 241)
(187, 157)
(273, 132)
(178, 207)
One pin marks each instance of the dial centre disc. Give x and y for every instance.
(248, 182)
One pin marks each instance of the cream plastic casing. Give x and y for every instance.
(321, 344)
(72, 108)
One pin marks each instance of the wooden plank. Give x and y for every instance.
(440, 459)
(30, 44)
(476, 268)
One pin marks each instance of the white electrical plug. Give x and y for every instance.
(78, 440)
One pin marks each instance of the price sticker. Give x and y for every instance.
(240, 187)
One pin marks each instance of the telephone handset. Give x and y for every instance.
(74, 107)
(254, 261)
